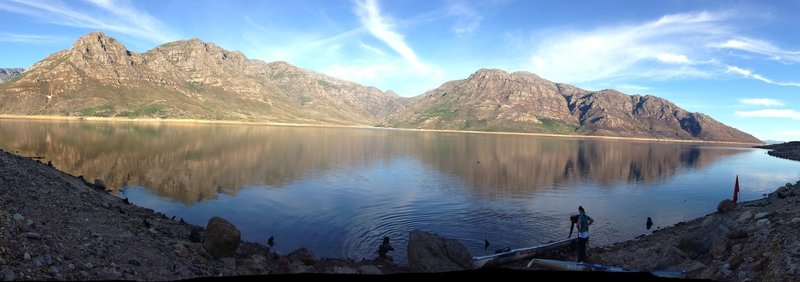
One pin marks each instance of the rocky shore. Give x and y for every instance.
(58, 226)
(788, 150)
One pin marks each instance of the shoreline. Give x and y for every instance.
(54, 225)
(58, 226)
(327, 125)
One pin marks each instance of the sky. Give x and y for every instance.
(736, 61)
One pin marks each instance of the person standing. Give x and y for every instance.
(583, 233)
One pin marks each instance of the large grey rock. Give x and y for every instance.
(744, 217)
(222, 238)
(697, 242)
(7, 274)
(369, 269)
(431, 253)
(725, 206)
(302, 254)
(671, 257)
(344, 270)
(761, 215)
(720, 247)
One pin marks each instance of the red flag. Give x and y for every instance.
(736, 190)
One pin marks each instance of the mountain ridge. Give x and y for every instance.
(7, 74)
(496, 100)
(192, 79)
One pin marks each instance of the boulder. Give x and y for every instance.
(7, 274)
(696, 242)
(302, 254)
(344, 270)
(744, 217)
(761, 215)
(725, 206)
(671, 257)
(100, 183)
(431, 253)
(221, 238)
(369, 269)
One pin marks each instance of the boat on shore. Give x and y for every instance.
(584, 266)
(518, 254)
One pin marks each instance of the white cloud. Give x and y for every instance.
(29, 38)
(674, 46)
(383, 28)
(770, 113)
(672, 58)
(761, 47)
(371, 48)
(124, 19)
(633, 87)
(656, 49)
(359, 72)
(271, 43)
(761, 102)
(749, 74)
(467, 19)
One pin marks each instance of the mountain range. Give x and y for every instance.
(9, 73)
(193, 79)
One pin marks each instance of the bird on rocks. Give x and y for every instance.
(271, 241)
(146, 224)
(649, 223)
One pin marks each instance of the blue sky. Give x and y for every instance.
(737, 61)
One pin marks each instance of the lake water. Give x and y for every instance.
(338, 191)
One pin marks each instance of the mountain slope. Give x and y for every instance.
(7, 74)
(98, 76)
(494, 100)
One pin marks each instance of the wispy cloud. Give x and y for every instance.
(673, 46)
(467, 19)
(30, 38)
(761, 102)
(383, 28)
(359, 72)
(673, 58)
(124, 18)
(663, 48)
(634, 87)
(272, 43)
(771, 113)
(749, 74)
(761, 47)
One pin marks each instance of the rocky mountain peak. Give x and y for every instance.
(97, 43)
(504, 76)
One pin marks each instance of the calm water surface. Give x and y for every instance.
(338, 191)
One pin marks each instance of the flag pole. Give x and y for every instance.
(736, 190)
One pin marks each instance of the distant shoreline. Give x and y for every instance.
(241, 122)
